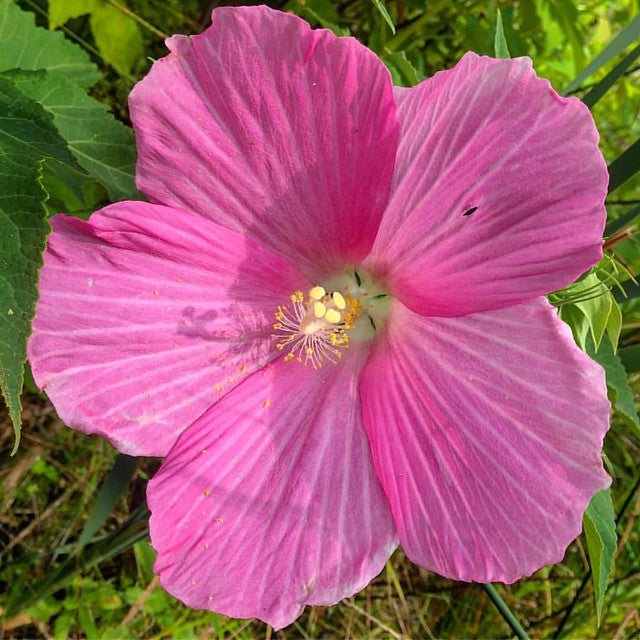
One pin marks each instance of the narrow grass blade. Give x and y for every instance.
(24, 595)
(625, 166)
(385, 14)
(611, 78)
(500, 42)
(112, 490)
(625, 38)
(622, 221)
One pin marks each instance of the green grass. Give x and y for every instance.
(108, 590)
(48, 492)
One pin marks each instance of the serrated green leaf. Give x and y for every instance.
(117, 36)
(600, 530)
(618, 388)
(385, 14)
(102, 145)
(626, 37)
(27, 135)
(25, 46)
(62, 10)
(500, 42)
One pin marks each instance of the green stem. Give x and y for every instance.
(505, 612)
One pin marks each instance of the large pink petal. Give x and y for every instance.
(147, 315)
(490, 134)
(270, 502)
(486, 432)
(265, 125)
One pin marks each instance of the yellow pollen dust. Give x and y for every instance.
(314, 329)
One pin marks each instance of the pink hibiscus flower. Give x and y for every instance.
(399, 243)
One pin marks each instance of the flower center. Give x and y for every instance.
(320, 326)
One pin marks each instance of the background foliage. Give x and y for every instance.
(74, 556)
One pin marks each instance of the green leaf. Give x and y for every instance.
(578, 323)
(565, 13)
(25, 46)
(27, 136)
(117, 36)
(500, 42)
(403, 73)
(385, 14)
(323, 12)
(145, 556)
(610, 79)
(630, 357)
(600, 530)
(618, 388)
(614, 324)
(62, 10)
(71, 190)
(593, 299)
(625, 166)
(309, 14)
(87, 622)
(626, 37)
(114, 486)
(102, 145)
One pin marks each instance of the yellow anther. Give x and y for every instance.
(332, 316)
(317, 292)
(338, 300)
(314, 329)
(319, 309)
